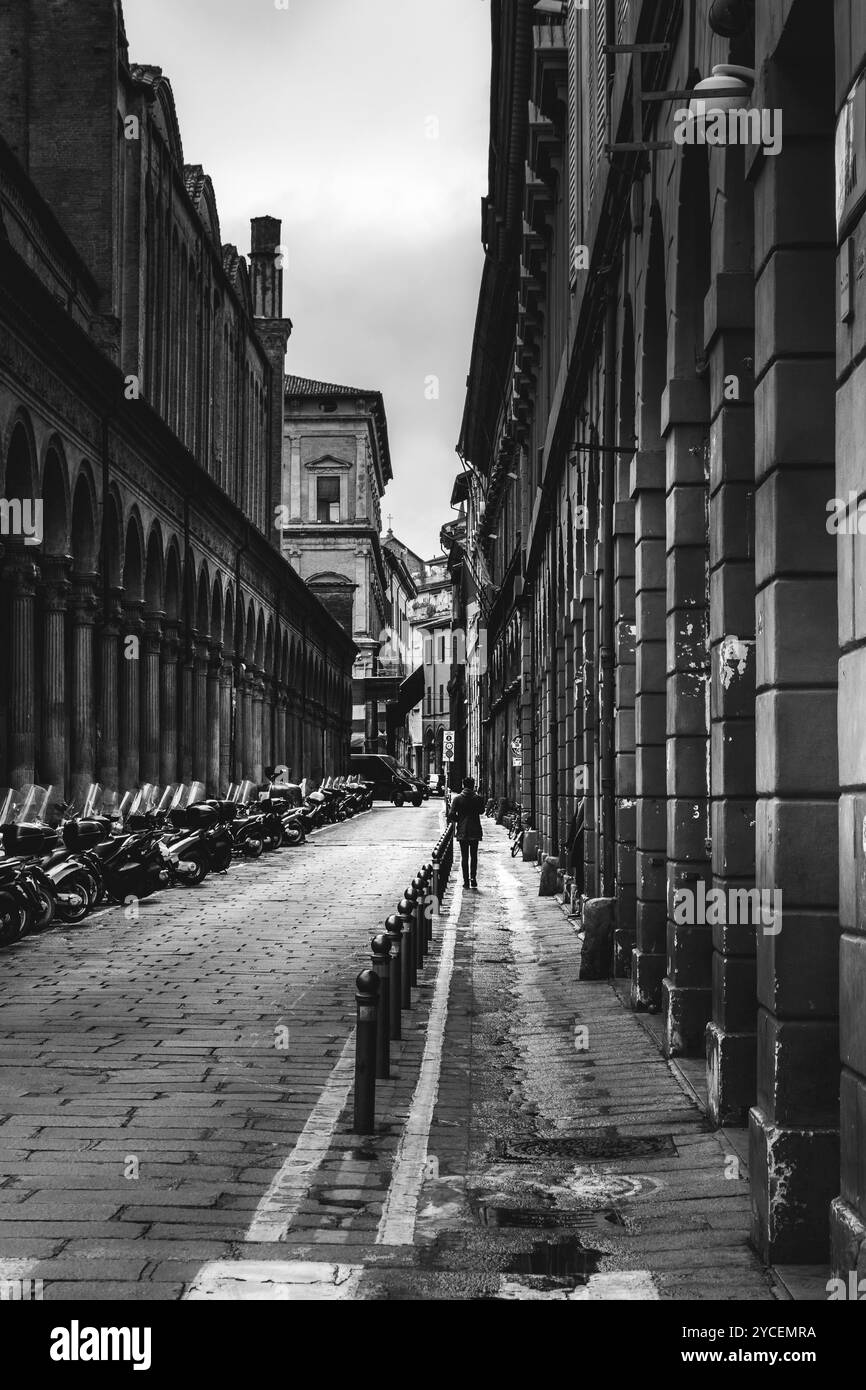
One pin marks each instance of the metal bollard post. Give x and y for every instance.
(432, 906)
(406, 909)
(381, 962)
(436, 882)
(411, 896)
(366, 996)
(416, 897)
(392, 927)
(405, 954)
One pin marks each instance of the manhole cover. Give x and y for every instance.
(549, 1218)
(592, 1147)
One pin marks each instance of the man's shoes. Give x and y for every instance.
(474, 884)
(465, 883)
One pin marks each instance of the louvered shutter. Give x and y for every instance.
(598, 90)
(573, 108)
(622, 20)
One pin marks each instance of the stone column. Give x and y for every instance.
(649, 958)
(200, 711)
(108, 746)
(624, 725)
(55, 596)
(257, 698)
(84, 609)
(168, 706)
(268, 713)
(686, 991)
(731, 1035)
(246, 724)
(226, 680)
(130, 695)
(215, 785)
(22, 576)
(150, 720)
(794, 1126)
(187, 697)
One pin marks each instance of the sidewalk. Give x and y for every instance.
(547, 1151)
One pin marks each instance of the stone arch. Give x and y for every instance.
(133, 559)
(112, 535)
(55, 500)
(83, 529)
(19, 475)
(173, 583)
(250, 635)
(203, 603)
(154, 580)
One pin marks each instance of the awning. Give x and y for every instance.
(411, 692)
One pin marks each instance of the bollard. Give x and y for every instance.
(432, 905)
(423, 908)
(392, 927)
(405, 954)
(411, 896)
(366, 994)
(406, 908)
(381, 962)
(436, 881)
(417, 890)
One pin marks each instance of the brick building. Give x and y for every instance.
(664, 399)
(153, 632)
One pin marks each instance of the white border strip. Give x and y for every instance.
(397, 1226)
(279, 1206)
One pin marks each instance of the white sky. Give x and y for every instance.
(319, 114)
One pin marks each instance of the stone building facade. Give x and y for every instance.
(153, 632)
(665, 399)
(336, 466)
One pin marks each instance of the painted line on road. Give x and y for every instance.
(251, 1280)
(397, 1225)
(280, 1203)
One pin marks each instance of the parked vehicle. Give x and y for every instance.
(389, 782)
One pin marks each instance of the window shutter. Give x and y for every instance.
(598, 90)
(622, 20)
(573, 108)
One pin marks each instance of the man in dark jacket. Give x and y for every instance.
(465, 812)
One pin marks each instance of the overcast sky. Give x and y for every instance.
(321, 113)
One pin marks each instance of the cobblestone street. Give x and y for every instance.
(163, 1136)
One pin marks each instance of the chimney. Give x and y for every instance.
(266, 266)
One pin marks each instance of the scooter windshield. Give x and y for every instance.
(34, 805)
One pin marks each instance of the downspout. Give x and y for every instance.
(607, 650)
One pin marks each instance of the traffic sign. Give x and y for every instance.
(448, 746)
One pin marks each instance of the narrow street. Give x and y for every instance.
(175, 1090)
(148, 1090)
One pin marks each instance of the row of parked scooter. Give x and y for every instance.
(61, 863)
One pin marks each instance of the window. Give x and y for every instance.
(441, 699)
(442, 651)
(429, 699)
(327, 500)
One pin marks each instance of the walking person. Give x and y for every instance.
(465, 811)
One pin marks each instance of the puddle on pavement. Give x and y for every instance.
(556, 1259)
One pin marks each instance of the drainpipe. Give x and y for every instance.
(607, 649)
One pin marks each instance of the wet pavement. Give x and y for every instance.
(530, 1144)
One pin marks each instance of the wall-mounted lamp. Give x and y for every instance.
(730, 18)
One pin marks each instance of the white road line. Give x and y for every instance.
(397, 1225)
(625, 1285)
(280, 1203)
(283, 1283)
